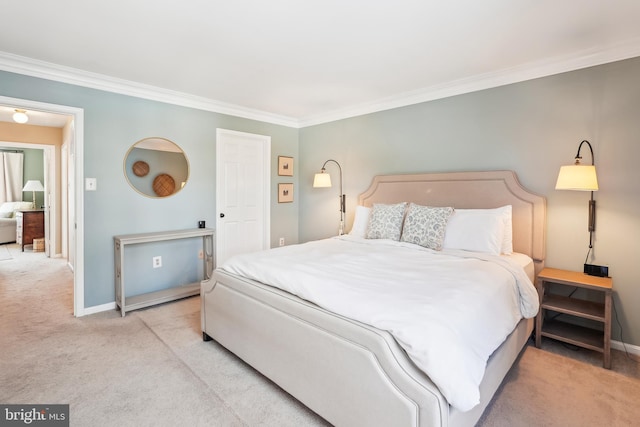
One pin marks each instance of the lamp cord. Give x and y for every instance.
(624, 345)
(588, 252)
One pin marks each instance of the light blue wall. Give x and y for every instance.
(113, 123)
(532, 128)
(33, 169)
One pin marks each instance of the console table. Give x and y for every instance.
(171, 294)
(29, 226)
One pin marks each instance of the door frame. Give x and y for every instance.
(77, 239)
(266, 180)
(49, 158)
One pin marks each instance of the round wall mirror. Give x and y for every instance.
(156, 167)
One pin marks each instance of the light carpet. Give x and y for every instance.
(151, 368)
(4, 253)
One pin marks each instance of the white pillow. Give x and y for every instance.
(360, 222)
(7, 207)
(478, 230)
(507, 239)
(386, 221)
(505, 212)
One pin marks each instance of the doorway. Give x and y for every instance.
(74, 232)
(49, 173)
(243, 178)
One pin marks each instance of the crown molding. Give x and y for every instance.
(46, 70)
(583, 59)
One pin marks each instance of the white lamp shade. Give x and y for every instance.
(33, 185)
(577, 177)
(322, 180)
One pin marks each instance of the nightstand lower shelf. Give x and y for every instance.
(574, 334)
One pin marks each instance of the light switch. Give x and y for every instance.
(90, 184)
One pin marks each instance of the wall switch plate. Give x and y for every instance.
(596, 270)
(157, 261)
(201, 254)
(90, 184)
(281, 243)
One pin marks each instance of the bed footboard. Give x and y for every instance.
(349, 373)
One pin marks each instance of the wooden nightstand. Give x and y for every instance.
(29, 226)
(569, 333)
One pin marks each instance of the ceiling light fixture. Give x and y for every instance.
(20, 116)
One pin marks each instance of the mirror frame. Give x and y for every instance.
(129, 174)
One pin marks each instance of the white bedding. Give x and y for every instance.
(449, 310)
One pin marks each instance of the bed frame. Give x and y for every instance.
(350, 373)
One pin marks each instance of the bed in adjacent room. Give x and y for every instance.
(414, 318)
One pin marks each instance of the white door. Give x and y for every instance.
(243, 175)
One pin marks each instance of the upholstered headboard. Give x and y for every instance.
(481, 190)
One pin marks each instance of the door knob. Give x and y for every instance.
(221, 215)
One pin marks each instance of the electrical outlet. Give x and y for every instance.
(200, 254)
(282, 241)
(157, 261)
(91, 184)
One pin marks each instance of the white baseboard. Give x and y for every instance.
(98, 309)
(628, 348)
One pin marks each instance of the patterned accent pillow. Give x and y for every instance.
(385, 221)
(425, 226)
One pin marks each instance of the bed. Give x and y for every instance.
(347, 371)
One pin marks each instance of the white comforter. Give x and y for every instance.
(448, 310)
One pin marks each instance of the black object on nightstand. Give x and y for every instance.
(596, 270)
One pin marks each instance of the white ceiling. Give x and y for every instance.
(301, 62)
(37, 118)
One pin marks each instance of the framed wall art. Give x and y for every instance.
(285, 166)
(285, 193)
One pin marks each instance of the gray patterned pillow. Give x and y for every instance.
(386, 221)
(425, 226)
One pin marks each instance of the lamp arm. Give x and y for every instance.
(593, 160)
(342, 197)
(592, 202)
